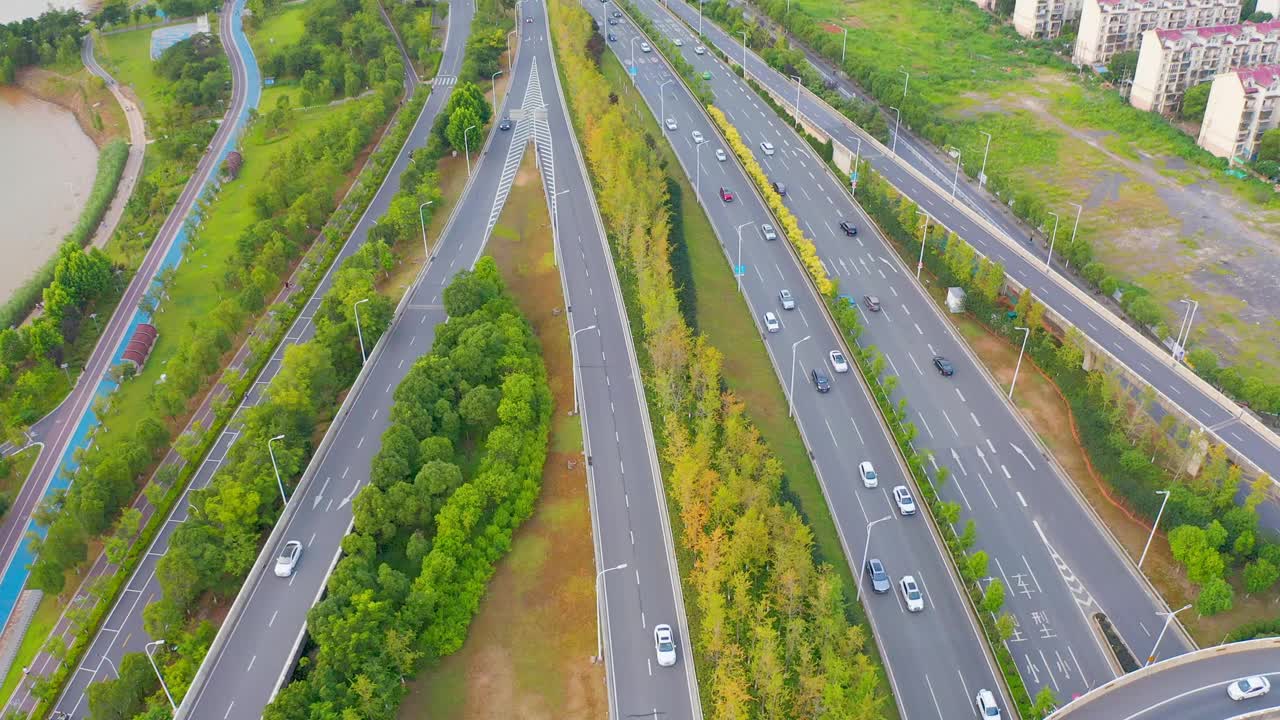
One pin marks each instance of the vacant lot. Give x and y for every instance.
(1155, 217)
(528, 653)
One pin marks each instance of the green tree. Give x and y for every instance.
(975, 565)
(1269, 146)
(460, 138)
(1216, 597)
(1005, 626)
(1194, 102)
(993, 596)
(123, 697)
(1122, 65)
(1260, 575)
(1045, 703)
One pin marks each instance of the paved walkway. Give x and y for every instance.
(137, 146)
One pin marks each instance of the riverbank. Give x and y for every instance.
(83, 95)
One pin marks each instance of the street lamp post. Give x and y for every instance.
(513, 32)
(1154, 525)
(904, 82)
(791, 403)
(574, 338)
(744, 54)
(697, 174)
(66, 370)
(896, 123)
(924, 238)
(555, 227)
(1026, 335)
(857, 159)
(843, 45)
(1168, 617)
(355, 308)
(494, 80)
(737, 269)
(797, 105)
(601, 602)
(982, 174)
(147, 648)
(955, 179)
(1184, 333)
(633, 58)
(700, 18)
(662, 103)
(271, 451)
(423, 221)
(466, 146)
(866, 549)
(1052, 239)
(1072, 242)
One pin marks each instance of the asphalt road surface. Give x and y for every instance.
(1058, 568)
(55, 430)
(123, 630)
(1146, 359)
(631, 522)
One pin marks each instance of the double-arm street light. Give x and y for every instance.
(1168, 617)
(271, 451)
(602, 602)
(355, 308)
(1184, 329)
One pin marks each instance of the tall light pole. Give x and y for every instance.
(633, 59)
(1181, 342)
(601, 602)
(555, 227)
(982, 174)
(904, 82)
(1150, 537)
(271, 451)
(857, 160)
(466, 146)
(1025, 336)
(1052, 239)
(843, 45)
(865, 551)
(1177, 339)
(494, 80)
(897, 122)
(791, 403)
(797, 105)
(700, 19)
(513, 32)
(924, 238)
(355, 308)
(737, 269)
(1168, 617)
(744, 54)
(662, 104)
(697, 174)
(1071, 243)
(574, 338)
(147, 648)
(955, 179)
(423, 220)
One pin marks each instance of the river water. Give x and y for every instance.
(46, 174)
(11, 10)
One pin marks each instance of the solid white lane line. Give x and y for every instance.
(961, 395)
(855, 429)
(975, 420)
(1037, 582)
(1007, 476)
(988, 489)
(926, 424)
(932, 695)
(913, 362)
(953, 427)
(1020, 498)
(833, 433)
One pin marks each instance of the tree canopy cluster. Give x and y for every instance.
(53, 37)
(774, 638)
(345, 48)
(467, 108)
(414, 22)
(488, 39)
(196, 70)
(427, 532)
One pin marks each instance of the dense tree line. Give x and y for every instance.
(426, 532)
(1136, 455)
(345, 49)
(196, 70)
(488, 39)
(53, 37)
(302, 185)
(773, 634)
(414, 22)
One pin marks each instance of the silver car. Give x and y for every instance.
(664, 644)
(769, 233)
(287, 561)
(720, 155)
(786, 300)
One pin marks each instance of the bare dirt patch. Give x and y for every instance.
(85, 96)
(528, 654)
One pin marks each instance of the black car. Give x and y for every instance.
(612, 21)
(820, 380)
(879, 578)
(505, 124)
(780, 188)
(944, 365)
(617, 13)
(612, 37)
(849, 228)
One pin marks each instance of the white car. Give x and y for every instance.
(911, 593)
(644, 47)
(767, 147)
(838, 363)
(1249, 687)
(671, 124)
(786, 300)
(771, 322)
(767, 230)
(986, 704)
(287, 561)
(720, 155)
(700, 50)
(664, 644)
(678, 42)
(697, 137)
(906, 503)
(868, 474)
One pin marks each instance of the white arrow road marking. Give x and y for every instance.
(956, 456)
(350, 495)
(982, 456)
(1024, 455)
(315, 503)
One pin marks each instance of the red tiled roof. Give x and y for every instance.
(140, 345)
(1263, 75)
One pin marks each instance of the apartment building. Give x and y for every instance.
(1108, 27)
(1043, 19)
(1170, 61)
(1242, 106)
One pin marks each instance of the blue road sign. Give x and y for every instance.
(739, 270)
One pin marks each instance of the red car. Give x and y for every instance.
(725, 195)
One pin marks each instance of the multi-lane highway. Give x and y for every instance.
(1058, 567)
(1000, 238)
(256, 648)
(123, 630)
(57, 430)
